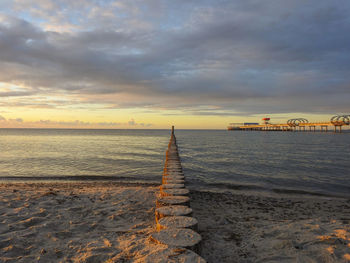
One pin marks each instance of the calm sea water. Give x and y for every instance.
(278, 162)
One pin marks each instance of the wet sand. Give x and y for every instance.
(107, 222)
(247, 228)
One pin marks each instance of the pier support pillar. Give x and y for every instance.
(325, 128)
(335, 128)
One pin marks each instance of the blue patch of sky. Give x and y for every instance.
(31, 19)
(6, 6)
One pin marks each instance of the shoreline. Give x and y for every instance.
(96, 221)
(213, 188)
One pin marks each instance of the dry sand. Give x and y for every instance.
(89, 222)
(106, 222)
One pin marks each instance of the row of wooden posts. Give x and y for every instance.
(175, 226)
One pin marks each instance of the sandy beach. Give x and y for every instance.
(248, 228)
(88, 222)
(106, 222)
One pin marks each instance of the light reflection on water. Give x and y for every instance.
(48, 153)
(278, 161)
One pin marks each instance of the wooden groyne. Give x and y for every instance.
(175, 225)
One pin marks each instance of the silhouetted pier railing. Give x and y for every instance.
(300, 124)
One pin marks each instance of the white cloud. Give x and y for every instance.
(241, 55)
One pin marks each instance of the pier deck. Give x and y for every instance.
(300, 124)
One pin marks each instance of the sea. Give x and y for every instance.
(293, 163)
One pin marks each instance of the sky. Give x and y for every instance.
(151, 64)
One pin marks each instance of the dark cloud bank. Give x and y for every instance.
(238, 57)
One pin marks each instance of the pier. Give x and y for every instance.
(300, 124)
(175, 226)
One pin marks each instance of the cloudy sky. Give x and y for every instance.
(153, 63)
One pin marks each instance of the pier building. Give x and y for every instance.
(299, 124)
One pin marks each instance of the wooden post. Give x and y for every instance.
(174, 225)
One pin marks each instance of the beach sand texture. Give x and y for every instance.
(88, 222)
(248, 228)
(106, 222)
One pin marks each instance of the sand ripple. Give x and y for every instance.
(75, 222)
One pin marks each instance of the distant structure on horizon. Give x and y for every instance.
(298, 124)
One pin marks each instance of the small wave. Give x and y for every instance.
(259, 188)
(82, 178)
(234, 186)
